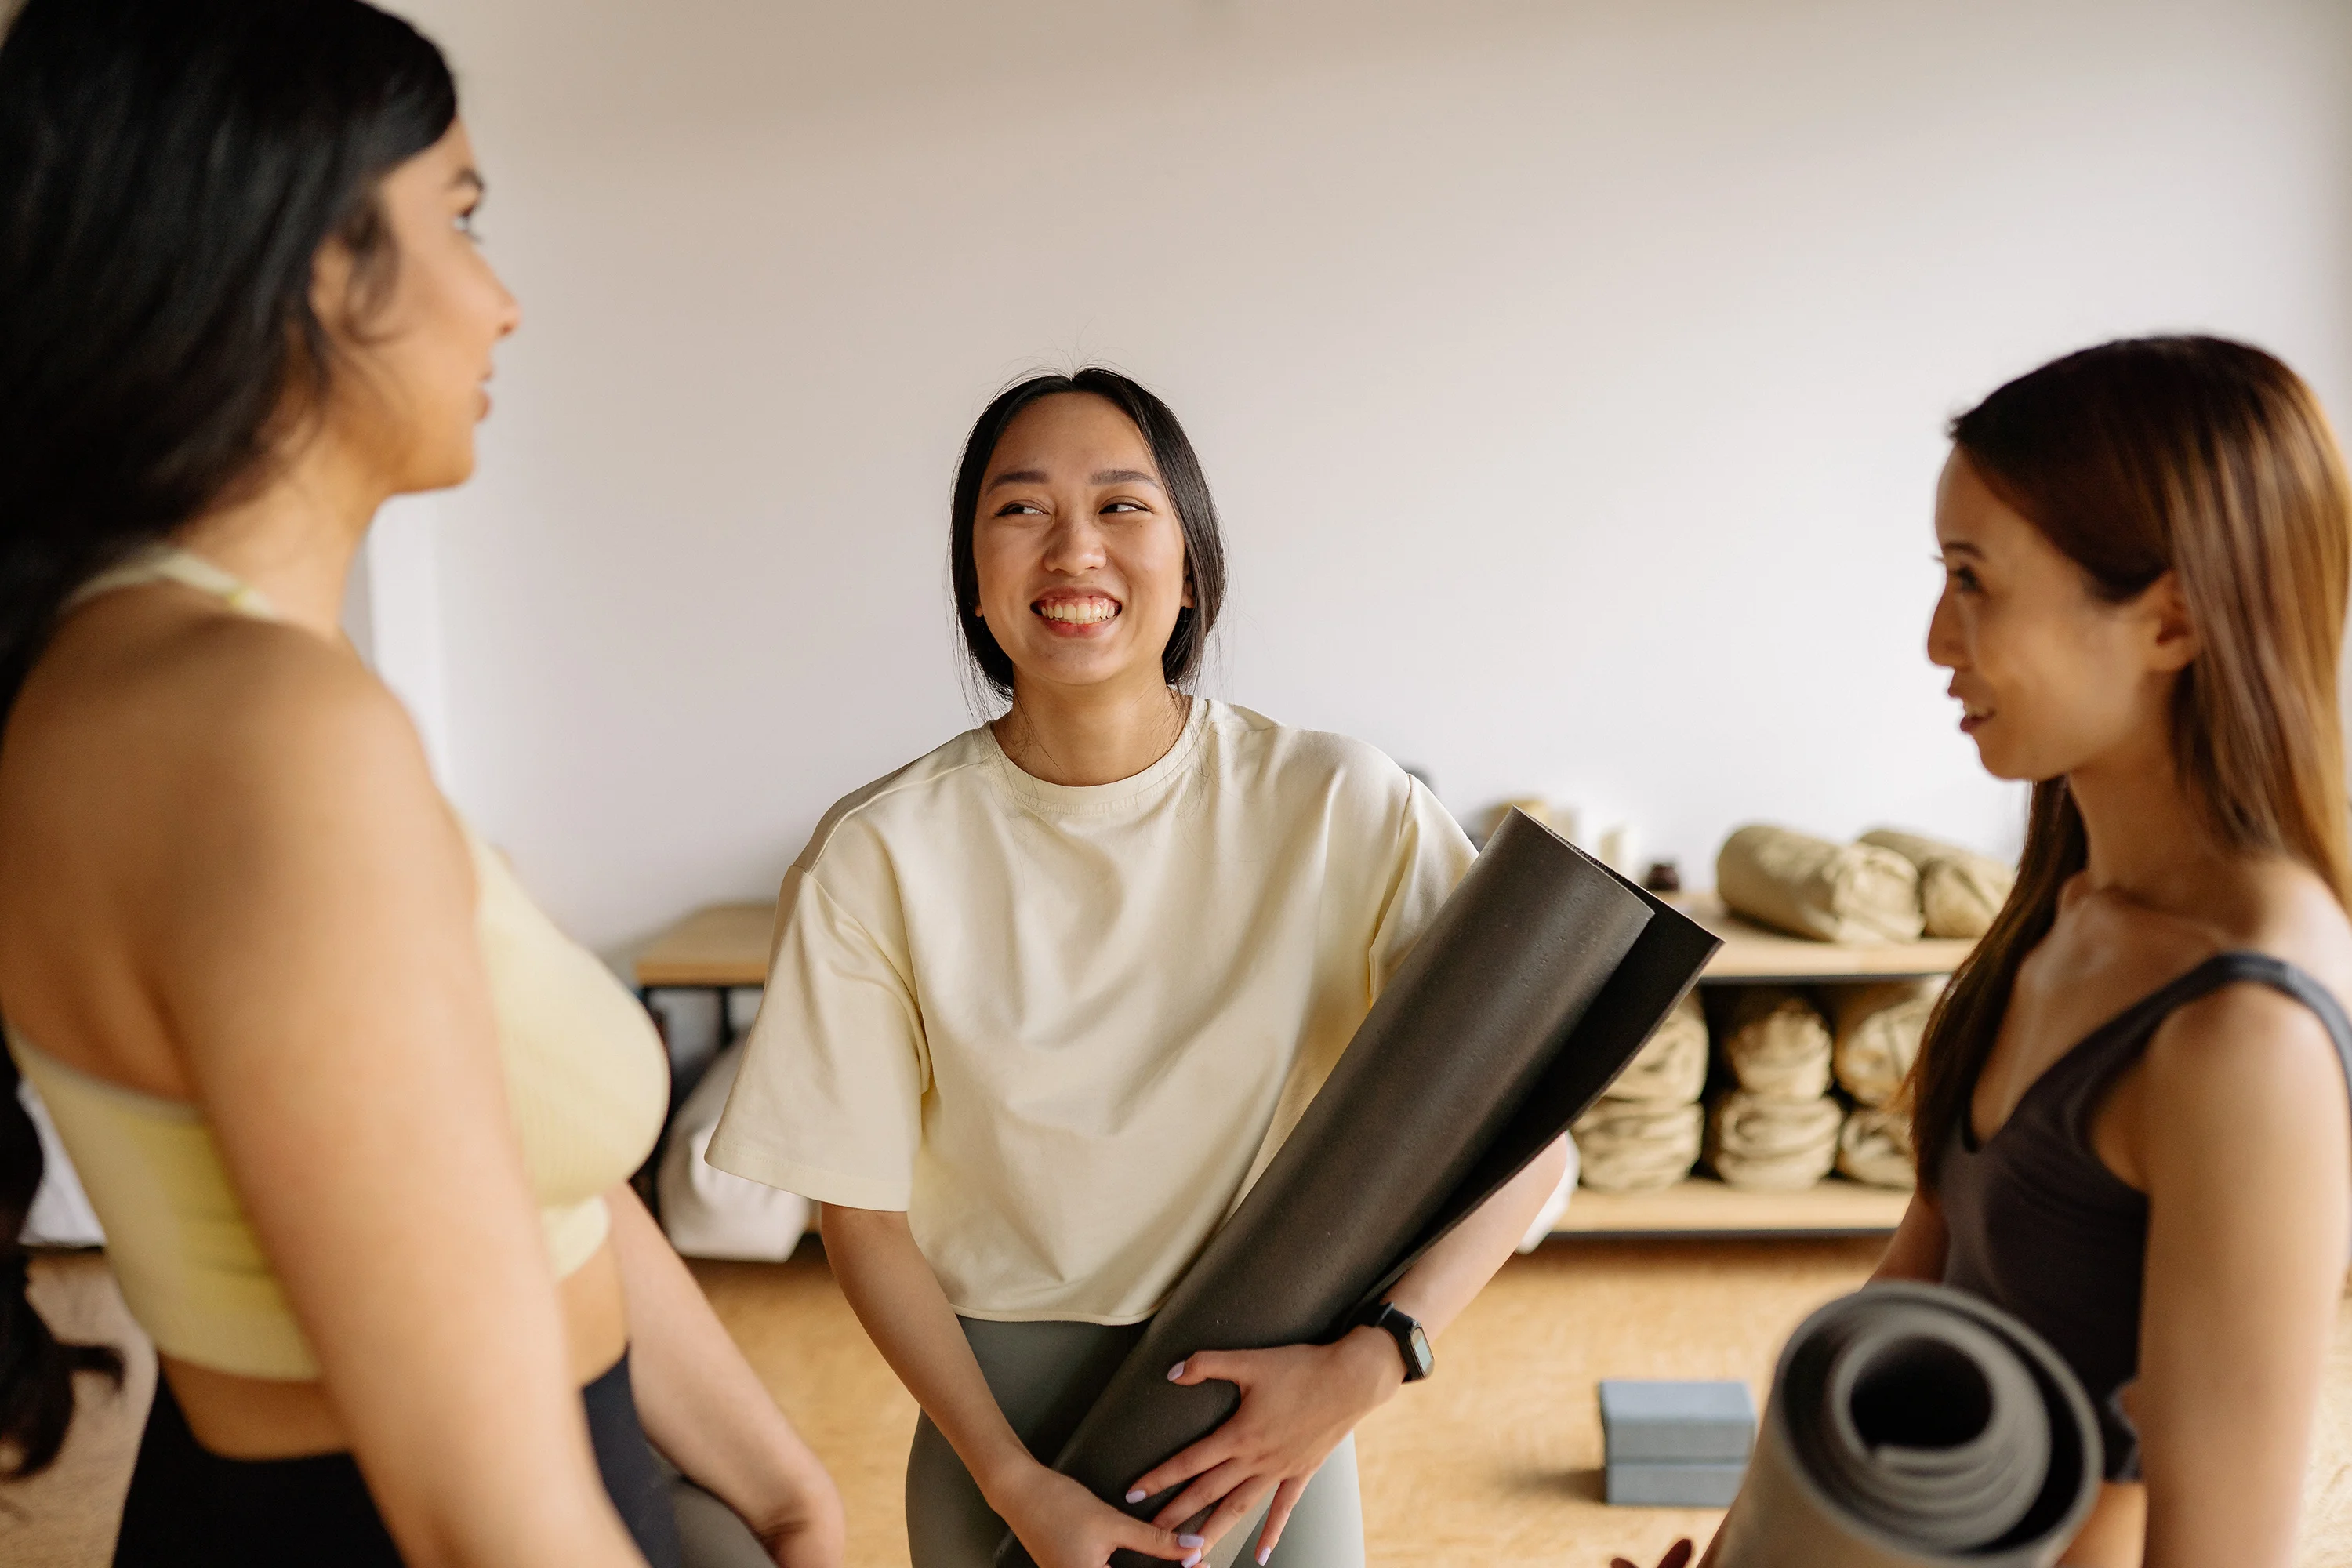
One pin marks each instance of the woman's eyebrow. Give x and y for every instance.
(1018, 476)
(1125, 477)
(1961, 547)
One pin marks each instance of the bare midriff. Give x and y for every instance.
(263, 1418)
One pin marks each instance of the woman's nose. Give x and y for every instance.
(1945, 648)
(1075, 546)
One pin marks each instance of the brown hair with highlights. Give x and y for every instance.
(2211, 460)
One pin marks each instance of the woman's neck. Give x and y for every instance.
(2145, 836)
(1088, 735)
(295, 538)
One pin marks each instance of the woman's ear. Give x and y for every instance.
(2172, 640)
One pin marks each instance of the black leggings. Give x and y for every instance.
(190, 1508)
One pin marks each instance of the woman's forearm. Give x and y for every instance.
(702, 1405)
(898, 1299)
(1451, 1274)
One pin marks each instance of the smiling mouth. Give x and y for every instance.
(1077, 609)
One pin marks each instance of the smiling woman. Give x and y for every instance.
(1044, 1001)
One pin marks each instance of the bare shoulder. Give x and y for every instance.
(169, 739)
(2248, 1063)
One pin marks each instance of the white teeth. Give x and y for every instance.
(1079, 611)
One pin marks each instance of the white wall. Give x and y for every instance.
(1570, 374)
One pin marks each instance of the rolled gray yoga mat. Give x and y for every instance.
(1532, 989)
(1916, 1426)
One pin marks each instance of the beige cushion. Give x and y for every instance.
(1878, 1032)
(1777, 1043)
(1874, 1146)
(1772, 1145)
(1960, 890)
(1810, 886)
(1626, 1147)
(1671, 1068)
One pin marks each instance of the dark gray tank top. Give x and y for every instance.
(2042, 1228)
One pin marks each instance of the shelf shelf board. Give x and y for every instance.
(718, 945)
(1752, 953)
(1701, 1206)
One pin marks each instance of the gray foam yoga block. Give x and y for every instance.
(1675, 1486)
(1677, 1422)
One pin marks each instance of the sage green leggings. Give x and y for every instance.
(1044, 1376)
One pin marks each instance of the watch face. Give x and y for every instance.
(1423, 1362)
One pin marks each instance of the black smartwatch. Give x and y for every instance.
(1405, 1329)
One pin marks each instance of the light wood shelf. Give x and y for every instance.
(727, 944)
(718, 945)
(1752, 953)
(1701, 1206)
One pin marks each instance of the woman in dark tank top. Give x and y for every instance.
(2131, 1106)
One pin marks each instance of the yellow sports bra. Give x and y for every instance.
(586, 1079)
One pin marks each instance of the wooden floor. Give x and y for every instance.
(1493, 1463)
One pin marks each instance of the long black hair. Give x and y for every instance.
(1180, 471)
(169, 170)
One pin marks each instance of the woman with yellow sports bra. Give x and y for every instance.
(358, 1121)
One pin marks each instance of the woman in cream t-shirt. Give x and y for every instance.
(1043, 1002)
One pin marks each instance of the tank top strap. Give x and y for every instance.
(2112, 1047)
(167, 563)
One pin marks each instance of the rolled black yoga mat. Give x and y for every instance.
(1916, 1426)
(1534, 986)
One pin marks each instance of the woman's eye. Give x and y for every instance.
(1126, 506)
(1018, 508)
(463, 224)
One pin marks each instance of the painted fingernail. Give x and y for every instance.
(1176, 1372)
(1135, 1496)
(1189, 1541)
(1263, 1554)
(1191, 1560)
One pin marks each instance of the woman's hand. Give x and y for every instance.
(1298, 1403)
(1678, 1556)
(1064, 1525)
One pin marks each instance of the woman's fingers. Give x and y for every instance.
(1203, 1492)
(1197, 1461)
(1134, 1535)
(1213, 1366)
(1238, 1505)
(1285, 1498)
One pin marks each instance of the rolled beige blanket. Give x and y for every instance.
(1670, 1068)
(1777, 1043)
(1878, 1032)
(1960, 890)
(1810, 886)
(1632, 1148)
(1874, 1146)
(1772, 1145)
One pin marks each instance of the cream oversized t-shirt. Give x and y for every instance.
(1063, 1028)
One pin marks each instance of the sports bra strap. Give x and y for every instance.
(167, 563)
(2232, 968)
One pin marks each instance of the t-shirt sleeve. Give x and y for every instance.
(1431, 855)
(828, 1102)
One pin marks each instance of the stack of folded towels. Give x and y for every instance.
(1778, 1130)
(1645, 1132)
(1878, 1032)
